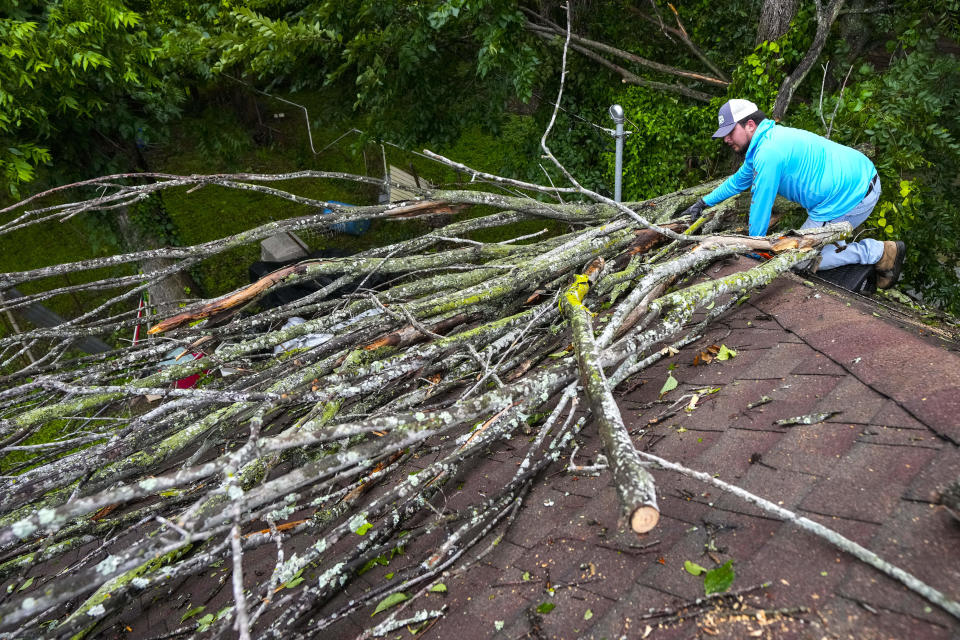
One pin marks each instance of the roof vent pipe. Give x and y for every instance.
(616, 112)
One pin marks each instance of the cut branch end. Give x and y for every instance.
(644, 519)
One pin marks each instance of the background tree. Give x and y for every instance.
(445, 71)
(84, 86)
(81, 84)
(775, 19)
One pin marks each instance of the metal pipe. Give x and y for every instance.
(616, 112)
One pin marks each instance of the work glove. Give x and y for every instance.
(696, 209)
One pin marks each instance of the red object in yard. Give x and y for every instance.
(136, 329)
(189, 381)
(174, 357)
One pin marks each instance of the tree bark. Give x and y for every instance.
(826, 16)
(162, 291)
(856, 30)
(635, 485)
(775, 17)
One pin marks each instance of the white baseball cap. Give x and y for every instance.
(731, 112)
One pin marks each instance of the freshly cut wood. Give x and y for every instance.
(648, 239)
(410, 334)
(229, 301)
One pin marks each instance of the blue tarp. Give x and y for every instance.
(354, 228)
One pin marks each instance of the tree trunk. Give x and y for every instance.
(826, 16)
(176, 286)
(856, 29)
(775, 19)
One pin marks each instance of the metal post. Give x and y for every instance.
(616, 112)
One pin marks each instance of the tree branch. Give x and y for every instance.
(825, 19)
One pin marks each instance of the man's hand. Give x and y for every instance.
(696, 209)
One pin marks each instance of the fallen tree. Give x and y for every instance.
(448, 357)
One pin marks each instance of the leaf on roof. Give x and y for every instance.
(669, 385)
(191, 612)
(725, 353)
(706, 356)
(391, 600)
(720, 579)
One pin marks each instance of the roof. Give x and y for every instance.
(871, 472)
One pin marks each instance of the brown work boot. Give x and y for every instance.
(890, 265)
(891, 250)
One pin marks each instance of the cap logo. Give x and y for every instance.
(721, 118)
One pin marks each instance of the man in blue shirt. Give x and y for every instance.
(832, 182)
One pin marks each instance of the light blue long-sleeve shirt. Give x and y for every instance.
(826, 178)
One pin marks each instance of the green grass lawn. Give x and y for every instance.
(215, 140)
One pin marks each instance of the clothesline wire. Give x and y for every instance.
(608, 131)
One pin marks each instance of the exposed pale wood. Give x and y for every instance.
(405, 186)
(644, 519)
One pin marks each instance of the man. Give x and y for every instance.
(832, 182)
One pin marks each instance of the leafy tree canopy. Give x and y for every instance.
(77, 76)
(421, 70)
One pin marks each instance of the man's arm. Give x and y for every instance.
(737, 183)
(765, 187)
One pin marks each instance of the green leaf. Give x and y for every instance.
(204, 623)
(725, 353)
(391, 600)
(693, 568)
(669, 385)
(587, 614)
(26, 585)
(546, 607)
(439, 588)
(381, 560)
(720, 579)
(526, 576)
(295, 580)
(362, 529)
(191, 612)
